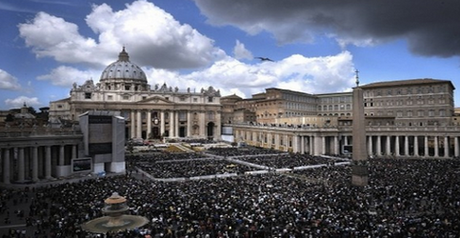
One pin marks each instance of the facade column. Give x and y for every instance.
(345, 139)
(446, 146)
(388, 146)
(189, 124)
(48, 162)
(406, 145)
(35, 163)
(139, 125)
(176, 123)
(202, 122)
(133, 124)
(426, 146)
(21, 164)
(397, 146)
(162, 123)
(369, 146)
(456, 147)
(172, 123)
(416, 146)
(6, 166)
(379, 146)
(148, 133)
(436, 147)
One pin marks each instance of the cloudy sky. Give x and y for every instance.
(316, 46)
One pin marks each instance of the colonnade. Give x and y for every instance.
(33, 163)
(173, 124)
(333, 143)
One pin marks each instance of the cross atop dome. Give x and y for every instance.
(123, 56)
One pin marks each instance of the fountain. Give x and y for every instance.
(115, 219)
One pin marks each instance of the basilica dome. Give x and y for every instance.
(123, 71)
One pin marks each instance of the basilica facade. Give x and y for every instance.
(150, 113)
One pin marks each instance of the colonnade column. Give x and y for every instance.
(436, 149)
(302, 142)
(397, 146)
(369, 146)
(286, 143)
(35, 163)
(416, 146)
(323, 145)
(446, 146)
(312, 145)
(6, 166)
(406, 145)
(388, 146)
(21, 164)
(456, 147)
(426, 146)
(336, 145)
(379, 146)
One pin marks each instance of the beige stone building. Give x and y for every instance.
(404, 118)
(156, 112)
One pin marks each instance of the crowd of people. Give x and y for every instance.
(404, 198)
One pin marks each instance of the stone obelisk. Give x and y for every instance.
(359, 170)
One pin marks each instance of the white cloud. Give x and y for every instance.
(19, 102)
(8, 81)
(241, 52)
(148, 32)
(51, 36)
(66, 76)
(299, 73)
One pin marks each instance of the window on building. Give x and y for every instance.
(127, 87)
(210, 99)
(442, 113)
(182, 116)
(125, 97)
(210, 115)
(195, 99)
(87, 95)
(110, 97)
(431, 113)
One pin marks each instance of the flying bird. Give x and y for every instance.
(264, 59)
